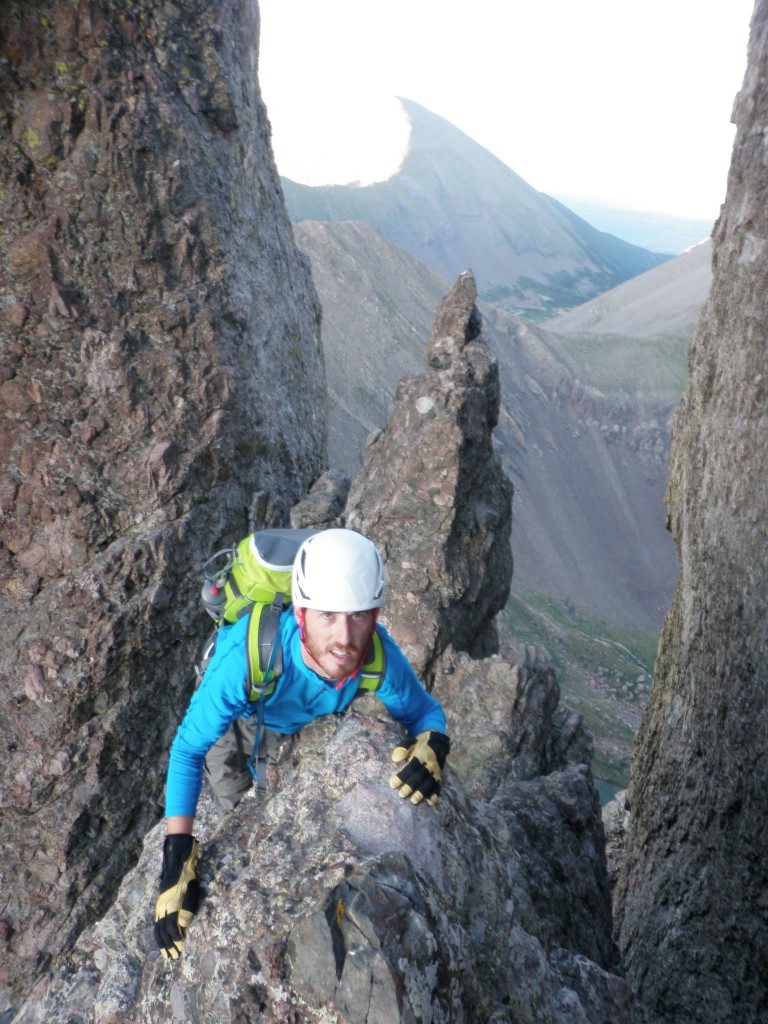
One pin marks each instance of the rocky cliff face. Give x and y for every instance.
(155, 314)
(694, 890)
(335, 901)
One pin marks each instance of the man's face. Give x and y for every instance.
(335, 641)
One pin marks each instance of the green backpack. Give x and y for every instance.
(254, 579)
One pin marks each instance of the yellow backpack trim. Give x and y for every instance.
(374, 666)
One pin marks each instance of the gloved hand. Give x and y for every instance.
(179, 893)
(420, 778)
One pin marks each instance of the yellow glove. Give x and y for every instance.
(420, 777)
(179, 894)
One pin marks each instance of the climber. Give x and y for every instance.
(338, 587)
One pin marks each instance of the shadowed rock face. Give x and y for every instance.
(694, 889)
(336, 901)
(154, 312)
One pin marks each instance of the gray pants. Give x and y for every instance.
(226, 767)
(226, 763)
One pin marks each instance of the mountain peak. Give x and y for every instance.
(453, 204)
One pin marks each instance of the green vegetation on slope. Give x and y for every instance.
(604, 673)
(656, 366)
(537, 301)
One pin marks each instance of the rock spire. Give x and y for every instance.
(432, 492)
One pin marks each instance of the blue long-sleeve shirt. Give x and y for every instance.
(299, 696)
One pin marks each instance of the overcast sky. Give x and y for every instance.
(607, 99)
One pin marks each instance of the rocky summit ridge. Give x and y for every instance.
(333, 900)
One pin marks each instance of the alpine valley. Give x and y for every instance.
(452, 205)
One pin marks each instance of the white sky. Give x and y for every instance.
(609, 99)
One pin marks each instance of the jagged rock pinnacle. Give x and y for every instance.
(457, 322)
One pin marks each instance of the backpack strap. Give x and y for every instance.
(264, 657)
(264, 660)
(264, 654)
(374, 666)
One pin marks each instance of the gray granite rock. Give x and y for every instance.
(334, 900)
(434, 497)
(693, 894)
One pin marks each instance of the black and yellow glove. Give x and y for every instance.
(420, 777)
(179, 893)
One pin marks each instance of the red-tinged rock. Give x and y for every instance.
(34, 683)
(65, 18)
(29, 256)
(32, 557)
(16, 314)
(37, 129)
(14, 397)
(92, 200)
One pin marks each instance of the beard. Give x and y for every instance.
(328, 656)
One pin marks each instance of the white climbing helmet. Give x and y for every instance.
(338, 571)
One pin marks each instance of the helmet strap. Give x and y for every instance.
(300, 618)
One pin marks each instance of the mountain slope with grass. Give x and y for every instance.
(664, 302)
(452, 204)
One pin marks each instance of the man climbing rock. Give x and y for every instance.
(331, 647)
